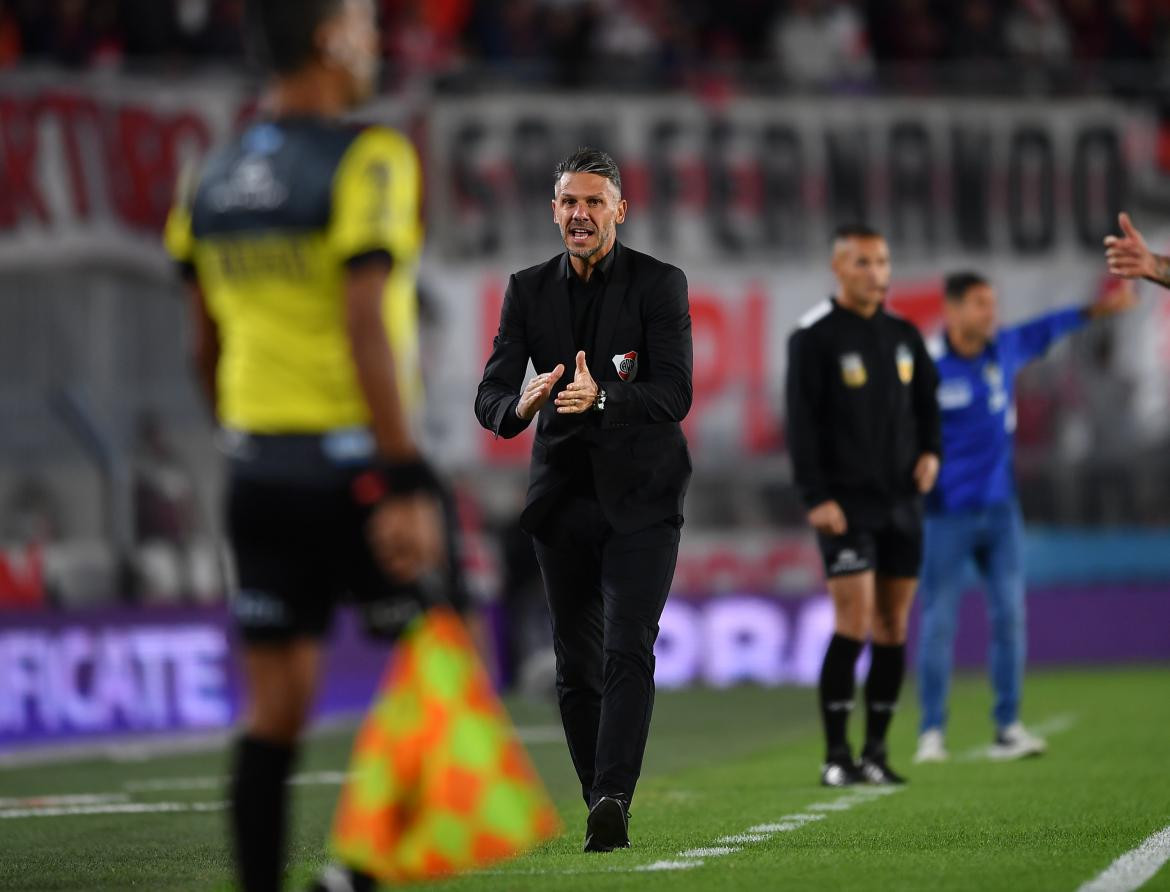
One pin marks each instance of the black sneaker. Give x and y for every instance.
(608, 826)
(840, 771)
(874, 769)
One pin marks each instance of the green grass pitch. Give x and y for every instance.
(719, 763)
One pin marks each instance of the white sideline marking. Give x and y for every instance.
(21, 802)
(711, 852)
(113, 808)
(1133, 869)
(1049, 727)
(171, 784)
(670, 865)
(763, 832)
(768, 830)
(119, 803)
(131, 748)
(692, 858)
(875, 792)
(839, 805)
(787, 822)
(738, 838)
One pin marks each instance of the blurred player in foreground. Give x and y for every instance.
(299, 241)
(863, 430)
(972, 516)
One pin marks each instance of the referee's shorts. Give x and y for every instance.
(888, 543)
(298, 537)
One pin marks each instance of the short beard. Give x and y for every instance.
(586, 253)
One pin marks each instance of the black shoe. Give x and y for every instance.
(876, 770)
(840, 771)
(608, 827)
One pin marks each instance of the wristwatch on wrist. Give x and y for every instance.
(599, 402)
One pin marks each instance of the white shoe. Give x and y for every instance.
(931, 747)
(1016, 742)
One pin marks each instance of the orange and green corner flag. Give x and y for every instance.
(439, 781)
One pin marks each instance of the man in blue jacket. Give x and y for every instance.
(972, 514)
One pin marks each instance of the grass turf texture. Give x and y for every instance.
(719, 762)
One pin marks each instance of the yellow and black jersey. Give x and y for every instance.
(269, 229)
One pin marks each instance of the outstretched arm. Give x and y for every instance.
(1034, 337)
(1130, 257)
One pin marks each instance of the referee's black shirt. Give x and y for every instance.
(862, 407)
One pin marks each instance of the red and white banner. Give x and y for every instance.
(740, 196)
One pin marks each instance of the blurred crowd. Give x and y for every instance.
(833, 45)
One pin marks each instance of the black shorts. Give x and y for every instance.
(892, 548)
(299, 542)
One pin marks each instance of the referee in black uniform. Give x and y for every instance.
(609, 330)
(864, 436)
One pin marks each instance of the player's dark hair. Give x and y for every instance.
(855, 230)
(588, 160)
(281, 32)
(956, 285)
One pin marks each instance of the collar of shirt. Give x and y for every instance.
(950, 351)
(865, 320)
(603, 268)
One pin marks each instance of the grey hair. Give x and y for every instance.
(589, 160)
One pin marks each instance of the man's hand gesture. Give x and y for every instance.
(1130, 257)
(579, 396)
(536, 393)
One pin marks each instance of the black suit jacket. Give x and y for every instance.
(636, 446)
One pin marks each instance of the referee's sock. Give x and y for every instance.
(259, 795)
(836, 694)
(882, 686)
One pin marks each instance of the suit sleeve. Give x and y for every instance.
(667, 397)
(804, 392)
(927, 413)
(503, 376)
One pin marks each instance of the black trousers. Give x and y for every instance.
(606, 592)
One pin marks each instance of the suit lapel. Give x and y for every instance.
(611, 311)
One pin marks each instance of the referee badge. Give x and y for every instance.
(853, 370)
(905, 360)
(626, 365)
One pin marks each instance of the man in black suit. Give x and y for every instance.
(609, 468)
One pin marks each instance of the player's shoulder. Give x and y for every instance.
(272, 175)
(642, 263)
(376, 141)
(307, 148)
(815, 317)
(537, 275)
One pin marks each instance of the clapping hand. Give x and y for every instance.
(579, 396)
(537, 392)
